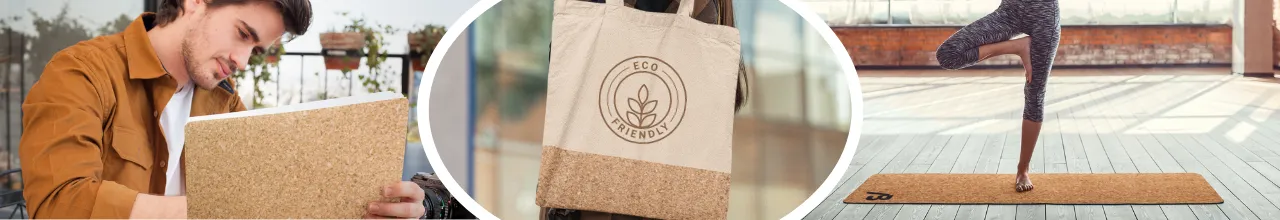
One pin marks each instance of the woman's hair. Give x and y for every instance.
(743, 88)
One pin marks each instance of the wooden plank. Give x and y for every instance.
(1121, 151)
(1135, 159)
(1235, 149)
(1232, 206)
(1094, 151)
(1078, 162)
(890, 150)
(1036, 212)
(1146, 164)
(1168, 164)
(1067, 156)
(945, 160)
(950, 154)
(987, 163)
(881, 164)
(1262, 141)
(1074, 152)
(1056, 162)
(1137, 151)
(968, 157)
(1254, 144)
(1267, 170)
(994, 152)
(989, 159)
(900, 165)
(939, 163)
(1104, 149)
(1259, 193)
(1008, 165)
(932, 151)
(869, 146)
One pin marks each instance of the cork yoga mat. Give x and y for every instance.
(577, 180)
(1061, 189)
(326, 159)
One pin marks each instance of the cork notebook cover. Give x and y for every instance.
(326, 159)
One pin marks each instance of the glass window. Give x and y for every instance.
(31, 31)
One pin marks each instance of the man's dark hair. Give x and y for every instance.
(296, 13)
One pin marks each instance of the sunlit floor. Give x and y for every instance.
(776, 165)
(1200, 120)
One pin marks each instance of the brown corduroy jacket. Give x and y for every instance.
(91, 140)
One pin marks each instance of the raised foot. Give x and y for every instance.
(1023, 46)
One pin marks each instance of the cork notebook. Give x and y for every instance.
(325, 159)
(1059, 189)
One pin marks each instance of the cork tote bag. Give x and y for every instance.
(640, 112)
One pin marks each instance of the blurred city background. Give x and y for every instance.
(488, 102)
(32, 31)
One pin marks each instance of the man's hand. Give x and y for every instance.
(409, 206)
(153, 207)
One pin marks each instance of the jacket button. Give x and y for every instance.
(162, 164)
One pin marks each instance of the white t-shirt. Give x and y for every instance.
(172, 121)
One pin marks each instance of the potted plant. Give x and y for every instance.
(359, 40)
(261, 65)
(272, 55)
(342, 50)
(422, 42)
(375, 54)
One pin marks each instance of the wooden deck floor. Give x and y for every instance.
(1205, 121)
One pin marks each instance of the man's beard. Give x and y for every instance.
(203, 79)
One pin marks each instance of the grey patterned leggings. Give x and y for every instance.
(1036, 18)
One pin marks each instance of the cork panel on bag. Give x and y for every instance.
(321, 163)
(585, 181)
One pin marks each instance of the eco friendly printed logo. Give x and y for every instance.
(642, 99)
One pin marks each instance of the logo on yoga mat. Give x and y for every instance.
(642, 99)
(878, 196)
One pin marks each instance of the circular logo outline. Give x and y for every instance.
(671, 82)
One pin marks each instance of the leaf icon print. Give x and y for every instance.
(648, 107)
(634, 105)
(640, 112)
(646, 120)
(643, 94)
(633, 119)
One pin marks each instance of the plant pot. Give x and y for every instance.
(422, 43)
(273, 53)
(342, 50)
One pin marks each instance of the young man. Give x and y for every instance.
(104, 124)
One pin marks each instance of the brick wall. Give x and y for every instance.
(1080, 45)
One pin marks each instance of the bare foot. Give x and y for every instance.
(1023, 183)
(1023, 46)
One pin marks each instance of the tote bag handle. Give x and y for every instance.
(686, 6)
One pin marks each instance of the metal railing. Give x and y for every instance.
(406, 72)
(9, 87)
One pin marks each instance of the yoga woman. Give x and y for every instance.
(990, 36)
